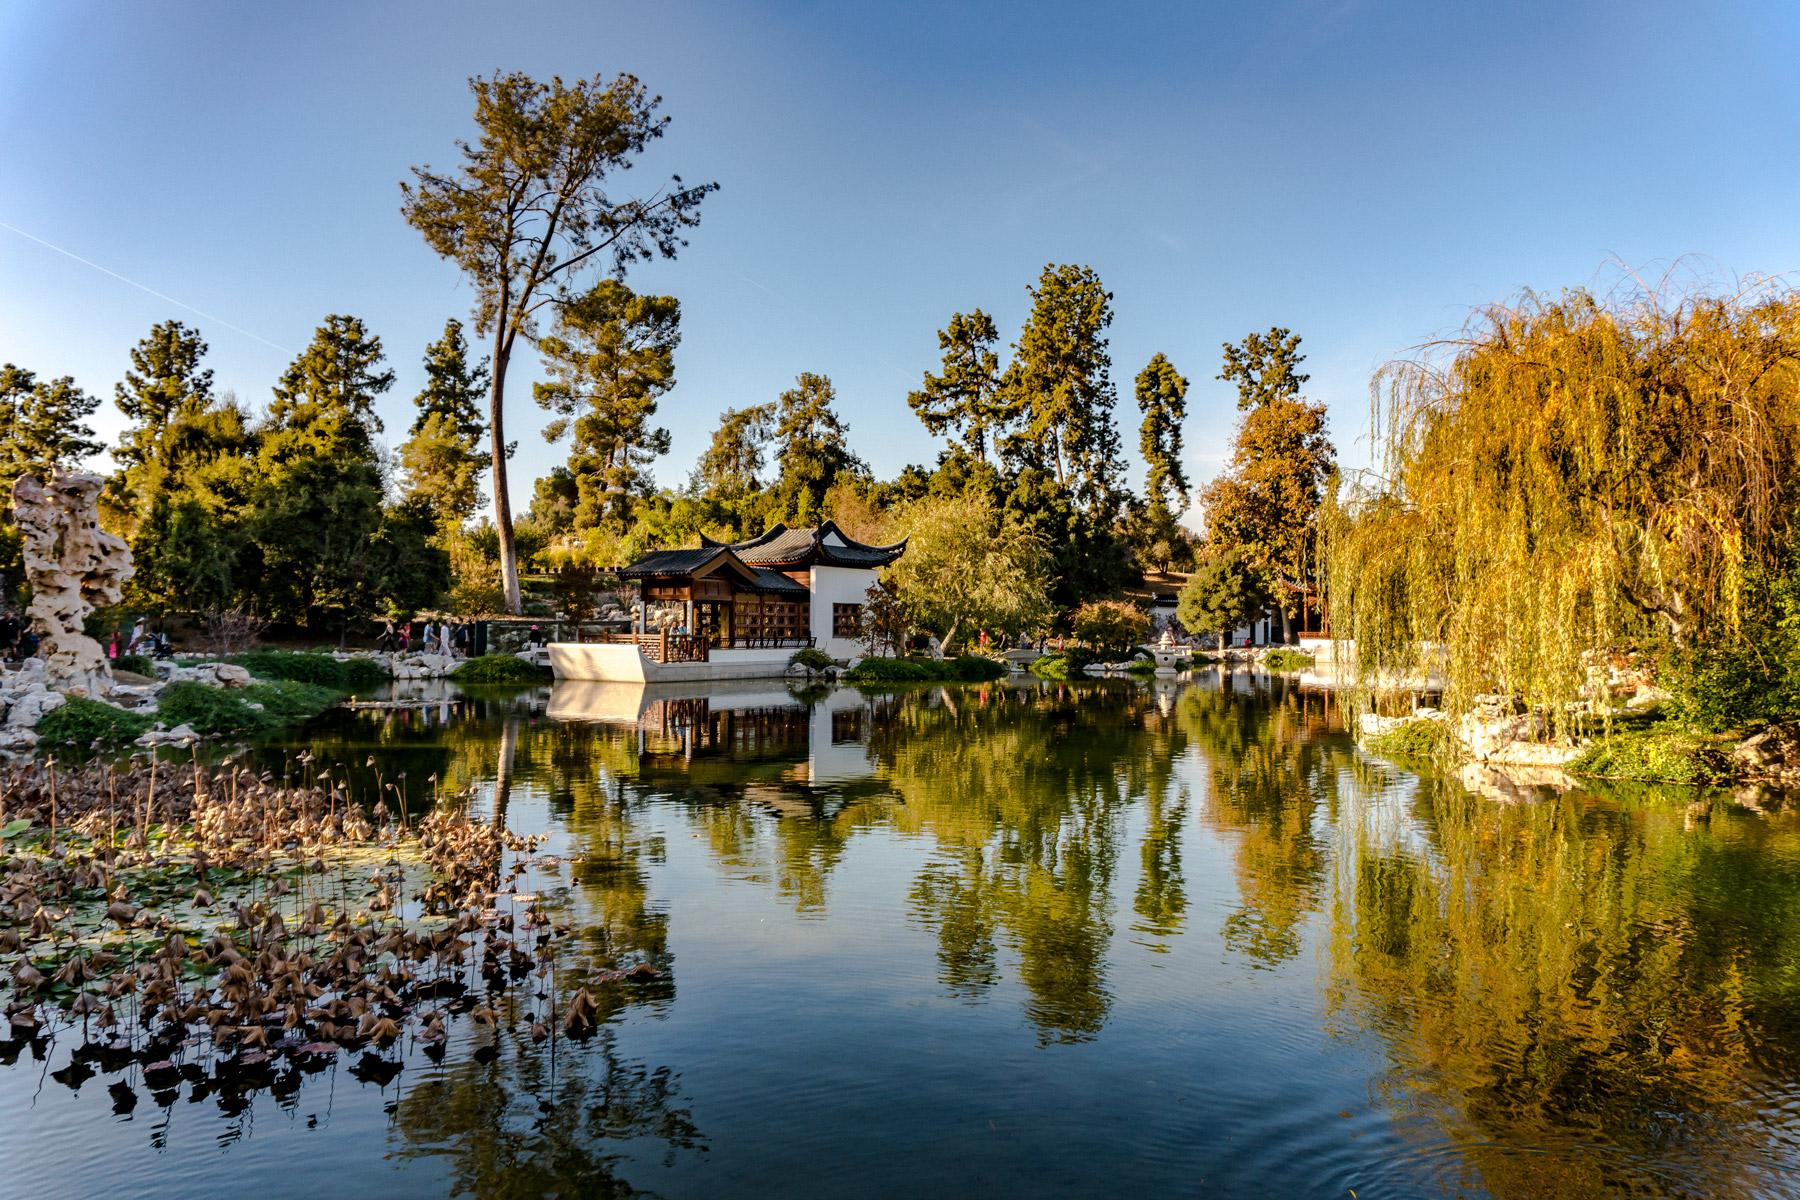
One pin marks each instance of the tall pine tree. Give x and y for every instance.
(612, 356)
(443, 456)
(963, 401)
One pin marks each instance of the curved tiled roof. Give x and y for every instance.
(779, 546)
(677, 564)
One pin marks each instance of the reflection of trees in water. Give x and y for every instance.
(1592, 981)
(541, 1124)
(1272, 758)
(1024, 792)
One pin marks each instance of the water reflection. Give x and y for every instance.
(1156, 934)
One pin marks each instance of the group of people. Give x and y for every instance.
(17, 640)
(141, 640)
(438, 637)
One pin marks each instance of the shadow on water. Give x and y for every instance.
(992, 912)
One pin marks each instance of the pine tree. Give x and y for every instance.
(1162, 398)
(1060, 388)
(42, 424)
(532, 210)
(165, 379)
(964, 401)
(318, 499)
(731, 468)
(812, 446)
(611, 357)
(443, 458)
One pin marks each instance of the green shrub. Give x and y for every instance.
(208, 711)
(286, 701)
(1142, 666)
(975, 668)
(82, 723)
(1661, 754)
(346, 675)
(969, 668)
(1054, 667)
(137, 664)
(500, 668)
(1283, 659)
(890, 670)
(233, 712)
(1421, 740)
(812, 659)
(1113, 627)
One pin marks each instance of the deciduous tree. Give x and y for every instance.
(1267, 502)
(1224, 593)
(968, 566)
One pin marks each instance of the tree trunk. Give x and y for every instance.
(949, 635)
(503, 523)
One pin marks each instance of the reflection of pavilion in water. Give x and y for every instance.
(683, 729)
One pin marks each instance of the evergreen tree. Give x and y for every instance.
(443, 458)
(612, 356)
(42, 424)
(1162, 398)
(812, 447)
(318, 499)
(531, 210)
(186, 506)
(165, 379)
(1059, 387)
(326, 397)
(731, 468)
(964, 401)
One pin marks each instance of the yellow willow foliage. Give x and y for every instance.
(1564, 478)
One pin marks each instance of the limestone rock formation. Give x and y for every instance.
(74, 566)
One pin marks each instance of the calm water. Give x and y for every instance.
(1097, 940)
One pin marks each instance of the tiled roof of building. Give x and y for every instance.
(671, 562)
(775, 581)
(677, 564)
(779, 546)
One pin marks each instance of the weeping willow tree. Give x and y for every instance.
(1565, 480)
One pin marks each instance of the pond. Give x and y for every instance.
(1108, 938)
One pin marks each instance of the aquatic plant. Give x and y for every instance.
(193, 917)
(1663, 753)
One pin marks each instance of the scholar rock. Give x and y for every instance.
(74, 567)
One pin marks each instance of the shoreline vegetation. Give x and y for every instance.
(1582, 516)
(276, 689)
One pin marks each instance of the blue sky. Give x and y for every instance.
(1362, 173)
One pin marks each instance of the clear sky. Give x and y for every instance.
(1362, 173)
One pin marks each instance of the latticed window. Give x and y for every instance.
(846, 620)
